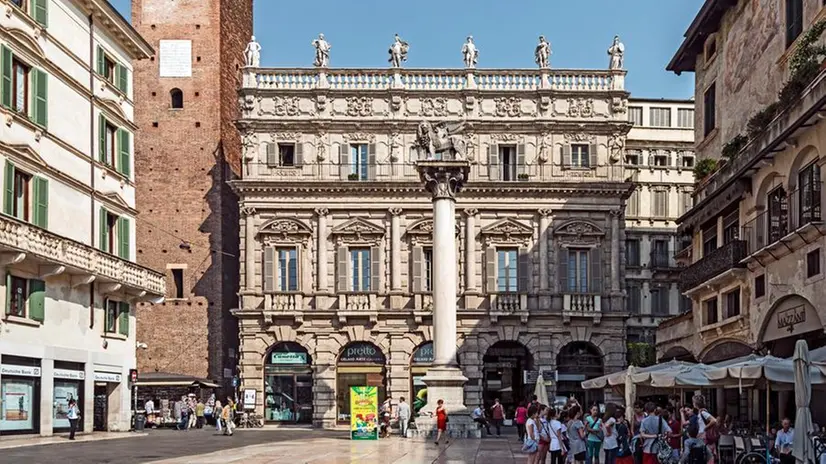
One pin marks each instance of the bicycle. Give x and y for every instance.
(250, 421)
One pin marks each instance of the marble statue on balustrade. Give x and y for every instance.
(542, 53)
(398, 52)
(617, 53)
(322, 52)
(252, 53)
(470, 54)
(442, 138)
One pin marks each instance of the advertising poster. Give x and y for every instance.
(17, 396)
(63, 392)
(364, 413)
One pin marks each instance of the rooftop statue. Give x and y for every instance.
(542, 53)
(253, 53)
(470, 54)
(617, 53)
(322, 52)
(398, 52)
(441, 138)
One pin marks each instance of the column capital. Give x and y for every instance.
(616, 213)
(443, 179)
(544, 212)
(470, 212)
(322, 211)
(395, 211)
(247, 211)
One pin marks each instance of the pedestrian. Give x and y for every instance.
(652, 427)
(531, 444)
(624, 453)
(441, 421)
(183, 422)
(576, 435)
(783, 443)
(706, 423)
(557, 444)
(73, 414)
(385, 411)
(610, 442)
(218, 411)
(544, 433)
(403, 416)
(593, 445)
(696, 451)
(192, 417)
(478, 416)
(209, 410)
(226, 415)
(497, 411)
(639, 415)
(200, 407)
(521, 418)
(674, 432)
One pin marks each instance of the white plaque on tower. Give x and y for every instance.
(175, 58)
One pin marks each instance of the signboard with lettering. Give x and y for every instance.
(69, 374)
(793, 316)
(361, 353)
(249, 398)
(175, 58)
(288, 358)
(364, 413)
(24, 371)
(424, 354)
(107, 377)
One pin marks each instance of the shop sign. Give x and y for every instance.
(361, 353)
(69, 374)
(25, 371)
(793, 316)
(364, 413)
(107, 377)
(249, 398)
(288, 358)
(424, 355)
(516, 352)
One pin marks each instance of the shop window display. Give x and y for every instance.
(288, 385)
(17, 404)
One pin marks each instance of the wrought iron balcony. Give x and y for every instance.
(715, 263)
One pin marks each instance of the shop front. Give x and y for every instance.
(105, 385)
(288, 384)
(359, 364)
(68, 385)
(505, 363)
(790, 319)
(419, 364)
(19, 395)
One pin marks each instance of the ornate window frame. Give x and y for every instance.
(281, 232)
(578, 233)
(507, 232)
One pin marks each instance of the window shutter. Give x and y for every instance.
(418, 265)
(101, 64)
(123, 79)
(41, 202)
(125, 150)
(41, 12)
(8, 293)
(521, 168)
(7, 76)
(342, 267)
(490, 270)
(8, 188)
(596, 270)
(375, 269)
(563, 270)
(593, 153)
(123, 238)
(566, 156)
(371, 162)
(104, 232)
(37, 300)
(670, 159)
(101, 138)
(269, 268)
(493, 161)
(272, 154)
(523, 272)
(343, 163)
(299, 154)
(123, 318)
(40, 109)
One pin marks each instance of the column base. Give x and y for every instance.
(447, 384)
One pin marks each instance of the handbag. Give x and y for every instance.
(530, 445)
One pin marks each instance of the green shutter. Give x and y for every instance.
(122, 78)
(104, 231)
(125, 151)
(101, 138)
(40, 218)
(123, 237)
(6, 83)
(8, 189)
(40, 83)
(37, 300)
(8, 293)
(101, 62)
(41, 12)
(123, 318)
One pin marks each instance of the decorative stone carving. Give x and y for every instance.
(395, 146)
(283, 230)
(470, 212)
(470, 103)
(579, 232)
(422, 231)
(359, 137)
(542, 53)
(395, 211)
(396, 102)
(470, 148)
(545, 103)
(321, 211)
(617, 53)
(507, 106)
(359, 106)
(285, 136)
(320, 147)
(442, 138)
(285, 106)
(507, 231)
(507, 137)
(619, 105)
(443, 179)
(398, 52)
(321, 103)
(247, 211)
(616, 147)
(322, 52)
(434, 106)
(470, 54)
(580, 108)
(358, 230)
(580, 137)
(252, 53)
(544, 212)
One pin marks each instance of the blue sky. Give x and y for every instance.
(580, 32)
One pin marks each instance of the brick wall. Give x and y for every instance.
(183, 159)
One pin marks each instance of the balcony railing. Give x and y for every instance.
(18, 236)
(508, 302)
(284, 302)
(661, 260)
(715, 263)
(357, 302)
(794, 211)
(581, 303)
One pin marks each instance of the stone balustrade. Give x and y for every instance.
(355, 302)
(508, 302)
(581, 304)
(423, 302)
(21, 237)
(284, 302)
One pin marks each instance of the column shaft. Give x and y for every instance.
(615, 251)
(444, 282)
(321, 251)
(470, 252)
(395, 251)
(249, 251)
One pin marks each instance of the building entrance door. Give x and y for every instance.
(101, 408)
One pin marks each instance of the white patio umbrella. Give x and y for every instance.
(630, 394)
(802, 447)
(540, 391)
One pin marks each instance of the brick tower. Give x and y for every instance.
(186, 151)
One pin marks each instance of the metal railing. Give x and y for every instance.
(715, 263)
(796, 210)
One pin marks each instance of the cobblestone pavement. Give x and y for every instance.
(283, 446)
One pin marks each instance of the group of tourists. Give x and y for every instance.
(190, 412)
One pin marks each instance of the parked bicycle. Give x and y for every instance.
(250, 421)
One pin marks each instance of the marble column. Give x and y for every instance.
(249, 248)
(321, 250)
(470, 250)
(395, 250)
(615, 250)
(544, 222)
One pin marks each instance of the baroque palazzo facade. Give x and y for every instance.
(336, 232)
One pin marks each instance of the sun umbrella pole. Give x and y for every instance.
(768, 406)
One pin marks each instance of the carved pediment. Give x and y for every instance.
(26, 153)
(115, 198)
(113, 107)
(424, 228)
(284, 227)
(26, 41)
(507, 228)
(358, 228)
(579, 232)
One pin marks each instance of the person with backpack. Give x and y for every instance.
(652, 430)
(609, 431)
(707, 424)
(624, 452)
(593, 445)
(695, 450)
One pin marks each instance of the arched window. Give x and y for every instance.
(177, 97)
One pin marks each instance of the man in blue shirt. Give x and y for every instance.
(783, 443)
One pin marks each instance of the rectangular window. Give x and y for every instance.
(20, 87)
(659, 301)
(760, 286)
(810, 188)
(660, 203)
(109, 66)
(731, 227)
(813, 263)
(732, 300)
(287, 270)
(794, 20)
(709, 109)
(578, 271)
(506, 265)
(18, 294)
(634, 298)
(635, 115)
(685, 304)
(25, 297)
(688, 161)
(686, 201)
(632, 208)
(111, 232)
(579, 156)
(286, 154)
(507, 160)
(710, 307)
(360, 268)
(659, 254)
(20, 206)
(428, 269)
(660, 117)
(685, 118)
(778, 222)
(660, 160)
(358, 161)
(632, 252)
(178, 279)
(632, 158)
(112, 310)
(20, 4)
(710, 238)
(110, 143)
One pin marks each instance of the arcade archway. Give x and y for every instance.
(288, 384)
(576, 362)
(360, 364)
(504, 366)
